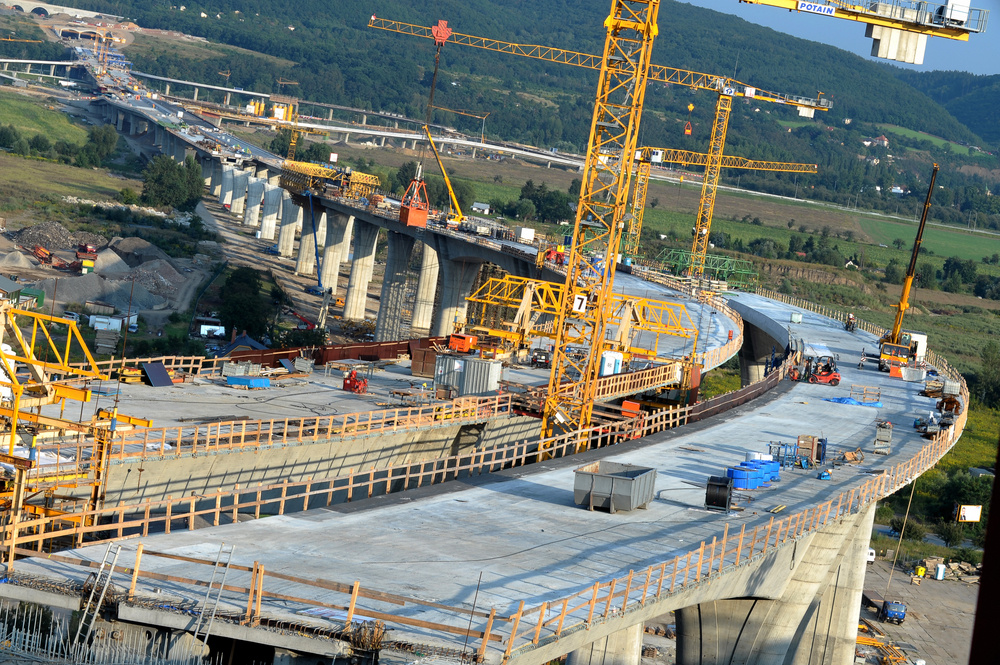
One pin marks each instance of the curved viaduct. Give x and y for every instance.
(511, 558)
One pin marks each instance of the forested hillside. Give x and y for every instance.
(328, 49)
(973, 100)
(339, 59)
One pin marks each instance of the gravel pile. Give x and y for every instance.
(16, 259)
(158, 277)
(87, 238)
(51, 235)
(94, 287)
(109, 262)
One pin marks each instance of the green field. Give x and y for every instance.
(31, 117)
(30, 183)
(936, 140)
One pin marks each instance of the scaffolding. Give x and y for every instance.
(738, 273)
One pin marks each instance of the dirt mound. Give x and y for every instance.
(16, 259)
(51, 235)
(135, 251)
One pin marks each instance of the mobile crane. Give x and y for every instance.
(897, 347)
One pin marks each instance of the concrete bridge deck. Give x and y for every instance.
(514, 543)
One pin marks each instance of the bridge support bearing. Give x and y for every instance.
(812, 621)
(423, 308)
(226, 194)
(365, 238)
(272, 208)
(389, 324)
(255, 195)
(240, 181)
(621, 648)
(456, 285)
(337, 238)
(291, 218)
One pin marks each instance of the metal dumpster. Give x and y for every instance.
(614, 486)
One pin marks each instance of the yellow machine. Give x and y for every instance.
(897, 347)
(456, 212)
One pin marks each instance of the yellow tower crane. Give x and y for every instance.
(646, 157)
(584, 310)
(725, 87)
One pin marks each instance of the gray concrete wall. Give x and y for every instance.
(155, 479)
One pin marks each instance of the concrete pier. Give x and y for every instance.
(255, 196)
(621, 648)
(272, 210)
(240, 181)
(389, 325)
(305, 260)
(457, 279)
(216, 186)
(365, 239)
(226, 194)
(336, 239)
(423, 307)
(291, 217)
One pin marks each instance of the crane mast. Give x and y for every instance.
(584, 308)
(904, 299)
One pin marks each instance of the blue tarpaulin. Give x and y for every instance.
(852, 401)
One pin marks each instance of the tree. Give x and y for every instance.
(989, 373)
(653, 202)
(576, 184)
(164, 183)
(193, 181)
(525, 210)
(952, 533)
(898, 243)
(893, 272)
(926, 277)
(913, 530)
(104, 139)
(243, 308)
(128, 196)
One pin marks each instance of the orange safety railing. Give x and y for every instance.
(178, 441)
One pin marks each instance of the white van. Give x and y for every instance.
(871, 556)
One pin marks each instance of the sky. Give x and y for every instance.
(979, 55)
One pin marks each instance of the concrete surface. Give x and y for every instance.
(521, 530)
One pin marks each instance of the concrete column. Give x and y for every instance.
(180, 150)
(255, 193)
(158, 135)
(321, 222)
(832, 632)
(345, 247)
(206, 169)
(621, 648)
(336, 238)
(365, 238)
(132, 125)
(195, 97)
(261, 172)
(240, 181)
(272, 208)
(228, 98)
(52, 70)
(811, 618)
(305, 260)
(389, 323)
(228, 177)
(423, 308)
(274, 179)
(456, 285)
(120, 120)
(166, 89)
(291, 216)
(216, 186)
